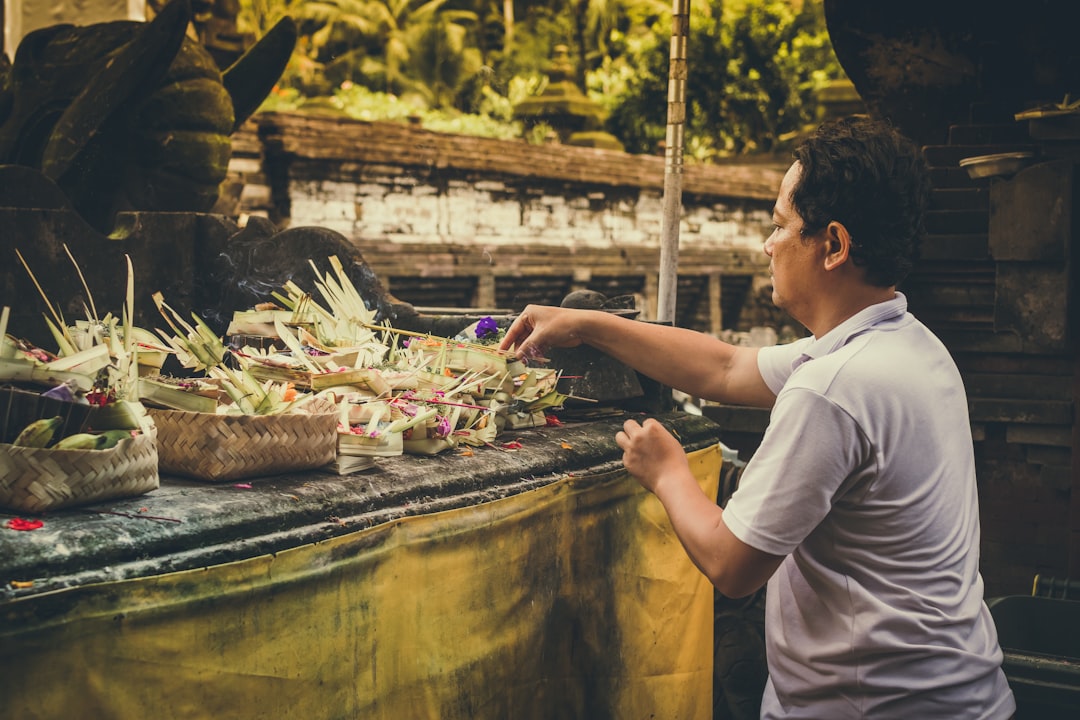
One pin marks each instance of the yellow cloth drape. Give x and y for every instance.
(574, 600)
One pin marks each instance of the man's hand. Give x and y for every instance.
(651, 453)
(653, 456)
(541, 327)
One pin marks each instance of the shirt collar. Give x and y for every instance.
(855, 325)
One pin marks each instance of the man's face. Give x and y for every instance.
(795, 259)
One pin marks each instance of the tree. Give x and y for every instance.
(754, 69)
(440, 62)
(754, 65)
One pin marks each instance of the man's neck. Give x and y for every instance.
(842, 306)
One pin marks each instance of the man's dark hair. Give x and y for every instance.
(866, 175)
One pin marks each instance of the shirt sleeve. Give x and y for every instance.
(775, 362)
(811, 451)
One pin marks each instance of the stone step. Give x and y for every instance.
(973, 198)
(995, 134)
(941, 319)
(958, 246)
(952, 222)
(944, 178)
(951, 155)
(952, 290)
(990, 112)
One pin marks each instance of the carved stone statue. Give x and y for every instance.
(127, 115)
(114, 139)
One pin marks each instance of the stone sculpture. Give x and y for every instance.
(114, 139)
(131, 116)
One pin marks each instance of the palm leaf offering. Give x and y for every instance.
(96, 365)
(397, 391)
(197, 348)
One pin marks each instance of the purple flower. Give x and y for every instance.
(62, 392)
(487, 326)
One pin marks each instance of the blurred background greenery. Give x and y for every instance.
(756, 67)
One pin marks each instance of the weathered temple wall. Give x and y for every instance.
(450, 221)
(396, 204)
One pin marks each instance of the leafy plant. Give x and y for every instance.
(754, 70)
(460, 66)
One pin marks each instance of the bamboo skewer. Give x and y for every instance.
(428, 336)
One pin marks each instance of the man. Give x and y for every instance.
(860, 507)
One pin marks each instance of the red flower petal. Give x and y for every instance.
(23, 524)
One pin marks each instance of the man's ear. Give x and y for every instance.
(839, 245)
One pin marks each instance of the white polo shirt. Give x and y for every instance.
(865, 480)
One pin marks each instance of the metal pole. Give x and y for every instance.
(673, 162)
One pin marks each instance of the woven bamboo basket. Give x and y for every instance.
(221, 448)
(35, 480)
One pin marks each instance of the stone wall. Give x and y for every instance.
(389, 202)
(450, 221)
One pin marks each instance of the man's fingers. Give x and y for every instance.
(652, 424)
(625, 437)
(513, 336)
(518, 331)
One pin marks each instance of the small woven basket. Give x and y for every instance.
(220, 448)
(35, 480)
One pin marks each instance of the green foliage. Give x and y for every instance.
(360, 103)
(754, 65)
(633, 89)
(282, 100)
(258, 16)
(753, 77)
(440, 63)
(474, 125)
